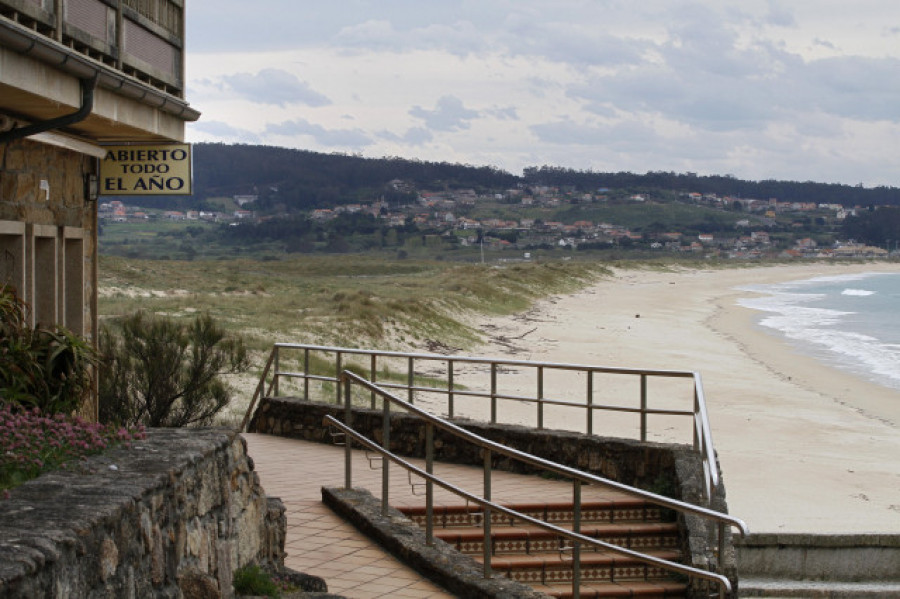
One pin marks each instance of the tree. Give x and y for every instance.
(157, 371)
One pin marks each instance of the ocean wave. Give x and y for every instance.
(831, 335)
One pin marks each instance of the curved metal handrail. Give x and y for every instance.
(648, 559)
(674, 504)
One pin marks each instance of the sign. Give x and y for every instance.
(146, 170)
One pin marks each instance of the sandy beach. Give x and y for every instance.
(803, 447)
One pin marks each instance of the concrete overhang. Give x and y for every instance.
(41, 80)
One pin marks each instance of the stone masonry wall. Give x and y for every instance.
(61, 202)
(23, 164)
(172, 516)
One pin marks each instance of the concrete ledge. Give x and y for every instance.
(441, 563)
(811, 557)
(763, 587)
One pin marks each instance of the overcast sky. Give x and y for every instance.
(805, 90)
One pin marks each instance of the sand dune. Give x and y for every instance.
(803, 447)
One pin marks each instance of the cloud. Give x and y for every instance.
(618, 136)
(416, 136)
(763, 87)
(274, 86)
(505, 113)
(345, 138)
(458, 38)
(224, 131)
(448, 115)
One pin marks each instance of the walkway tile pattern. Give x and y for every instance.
(320, 543)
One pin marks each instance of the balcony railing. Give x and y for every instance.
(141, 38)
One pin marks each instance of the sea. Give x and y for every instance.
(850, 322)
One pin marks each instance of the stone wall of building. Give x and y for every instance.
(42, 188)
(60, 201)
(172, 516)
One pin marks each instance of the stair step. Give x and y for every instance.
(595, 567)
(526, 539)
(645, 590)
(610, 511)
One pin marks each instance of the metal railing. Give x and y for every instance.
(491, 448)
(414, 384)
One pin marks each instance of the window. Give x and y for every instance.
(72, 291)
(12, 256)
(44, 295)
(44, 265)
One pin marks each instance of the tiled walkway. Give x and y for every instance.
(320, 543)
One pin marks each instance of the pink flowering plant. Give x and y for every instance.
(32, 442)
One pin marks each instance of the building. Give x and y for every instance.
(76, 75)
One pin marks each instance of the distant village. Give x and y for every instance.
(446, 212)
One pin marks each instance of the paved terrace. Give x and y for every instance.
(320, 543)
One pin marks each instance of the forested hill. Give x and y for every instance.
(303, 180)
(721, 185)
(292, 180)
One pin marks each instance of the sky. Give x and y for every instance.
(801, 90)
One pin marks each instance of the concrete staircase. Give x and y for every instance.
(543, 560)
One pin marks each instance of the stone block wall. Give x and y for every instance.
(172, 516)
(24, 164)
(43, 186)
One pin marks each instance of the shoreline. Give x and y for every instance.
(803, 447)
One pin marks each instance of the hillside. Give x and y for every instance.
(298, 180)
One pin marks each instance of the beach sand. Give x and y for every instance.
(803, 447)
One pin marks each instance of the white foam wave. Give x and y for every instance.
(789, 312)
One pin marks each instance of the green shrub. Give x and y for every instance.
(158, 371)
(47, 368)
(253, 580)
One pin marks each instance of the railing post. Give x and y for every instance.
(373, 372)
(644, 407)
(348, 449)
(698, 422)
(411, 380)
(493, 393)
(486, 517)
(337, 377)
(576, 545)
(450, 389)
(386, 443)
(540, 397)
(429, 486)
(590, 402)
(306, 374)
(275, 373)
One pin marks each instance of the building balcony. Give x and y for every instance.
(134, 49)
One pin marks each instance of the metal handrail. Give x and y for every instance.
(702, 441)
(725, 584)
(260, 389)
(533, 460)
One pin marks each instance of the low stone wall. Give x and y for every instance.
(172, 516)
(814, 557)
(666, 469)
